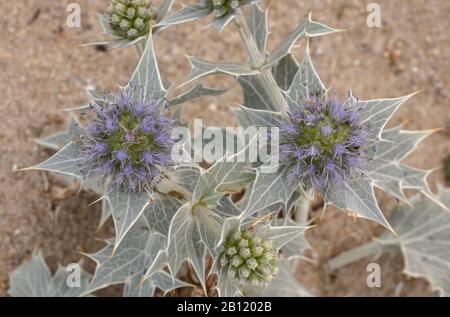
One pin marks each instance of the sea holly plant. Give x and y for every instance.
(338, 148)
(232, 227)
(126, 148)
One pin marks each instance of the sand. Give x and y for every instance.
(43, 70)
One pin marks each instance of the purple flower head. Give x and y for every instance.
(353, 117)
(326, 130)
(100, 148)
(338, 149)
(322, 142)
(310, 118)
(129, 142)
(120, 155)
(313, 151)
(110, 125)
(329, 166)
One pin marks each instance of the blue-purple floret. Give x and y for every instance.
(129, 142)
(322, 141)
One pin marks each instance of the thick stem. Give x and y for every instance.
(140, 46)
(204, 216)
(303, 207)
(257, 60)
(353, 255)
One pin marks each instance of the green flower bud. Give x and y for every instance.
(243, 243)
(234, 4)
(267, 245)
(257, 250)
(131, 12)
(252, 263)
(130, 19)
(244, 272)
(132, 33)
(120, 8)
(231, 251)
(220, 11)
(236, 236)
(125, 25)
(248, 259)
(143, 12)
(220, 8)
(236, 261)
(139, 24)
(116, 18)
(245, 253)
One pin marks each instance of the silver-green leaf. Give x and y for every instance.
(306, 83)
(146, 83)
(356, 196)
(69, 161)
(387, 170)
(201, 68)
(285, 284)
(160, 212)
(126, 208)
(186, 14)
(34, 279)
(58, 140)
(424, 238)
(307, 29)
(257, 23)
(197, 91)
(268, 189)
(129, 263)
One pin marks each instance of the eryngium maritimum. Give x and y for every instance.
(220, 7)
(130, 19)
(322, 142)
(128, 141)
(250, 261)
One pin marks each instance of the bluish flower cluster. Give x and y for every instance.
(129, 141)
(322, 141)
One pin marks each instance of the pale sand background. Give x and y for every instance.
(42, 71)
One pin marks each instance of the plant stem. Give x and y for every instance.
(303, 207)
(353, 255)
(257, 60)
(140, 46)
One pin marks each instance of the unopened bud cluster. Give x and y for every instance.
(220, 7)
(250, 260)
(130, 19)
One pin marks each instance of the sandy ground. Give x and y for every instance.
(42, 70)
